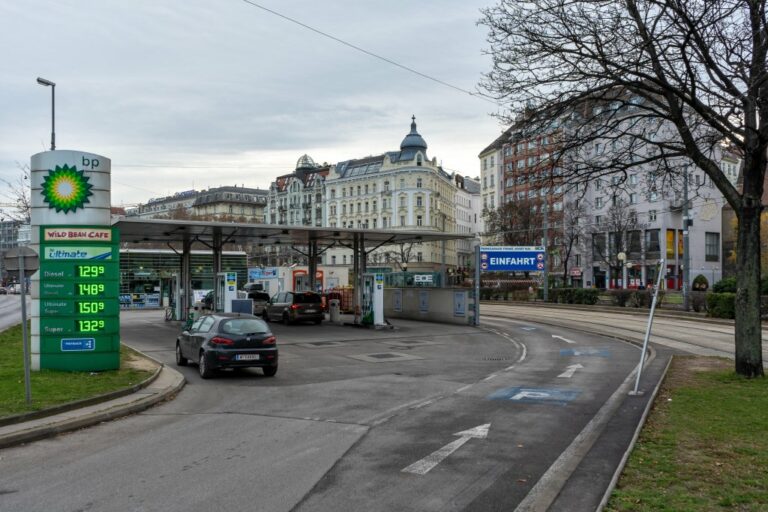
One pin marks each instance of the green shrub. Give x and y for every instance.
(721, 305)
(727, 285)
(700, 283)
(620, 297)
(586, 296)
(699, 301)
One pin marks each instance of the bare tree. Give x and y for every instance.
(571, 238)
(516, 222)
(15, 196)
(614, 236)
(663, 83)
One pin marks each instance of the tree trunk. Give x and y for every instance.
(749, 356)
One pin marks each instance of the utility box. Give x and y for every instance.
(334, 309)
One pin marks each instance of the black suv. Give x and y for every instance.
(291, 307)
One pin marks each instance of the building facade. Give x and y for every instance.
(402, 189)
(229, 203)
(613, 231)
(297, 199)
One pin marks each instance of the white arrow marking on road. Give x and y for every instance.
(423, 466)
(570, 371)
(561, 338)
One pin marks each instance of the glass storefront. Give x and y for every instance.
(146, 275)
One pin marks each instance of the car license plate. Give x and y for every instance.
(310, 311)
(247, 357)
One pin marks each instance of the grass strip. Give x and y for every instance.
(704, 445)
(51, 387)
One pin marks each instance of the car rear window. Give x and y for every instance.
(258, 296)
(306, 298)
(243, 326)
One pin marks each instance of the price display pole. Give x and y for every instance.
(75, 293)
(79, 298)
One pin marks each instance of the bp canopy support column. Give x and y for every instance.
(312, 267)
(186, 278)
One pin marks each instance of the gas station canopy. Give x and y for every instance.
(160, 230)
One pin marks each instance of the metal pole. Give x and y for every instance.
(477, 285)
(442, 257)
(648, 329)
(53, 117)
(546, 256)
(24, 334)
(686, 248)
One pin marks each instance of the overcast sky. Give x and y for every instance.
(196, 94)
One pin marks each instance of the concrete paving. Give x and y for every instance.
(351, 408)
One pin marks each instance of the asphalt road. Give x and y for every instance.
(349, 410)
(10, 310)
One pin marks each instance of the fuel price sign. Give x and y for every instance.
(79, 304)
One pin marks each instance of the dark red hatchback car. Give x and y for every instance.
(228, 341)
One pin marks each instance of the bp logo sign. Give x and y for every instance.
(66, 189)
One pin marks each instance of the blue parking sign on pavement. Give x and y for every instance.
(536, 395)
(588, 352)
(512, 258)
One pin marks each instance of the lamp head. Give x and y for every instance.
(43, 81)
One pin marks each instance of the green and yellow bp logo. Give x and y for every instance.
(66, 189)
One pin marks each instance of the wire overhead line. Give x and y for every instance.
(371, 54)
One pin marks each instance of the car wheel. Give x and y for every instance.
(269, 371)
(205, 371)
(286, 319)
(180, 359)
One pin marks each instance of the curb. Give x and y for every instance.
(79, 404)
(618, 310)
(108, 413)
(623, 463)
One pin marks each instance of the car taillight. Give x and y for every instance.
(295, 306)
(270, 341)
(218, 340)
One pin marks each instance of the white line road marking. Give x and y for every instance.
(490, 377)
(423, 466)
(463, 388)
(567, 374)
(561, 338)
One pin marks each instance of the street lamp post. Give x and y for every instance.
(48, 83)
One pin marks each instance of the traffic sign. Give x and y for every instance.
(512, 258)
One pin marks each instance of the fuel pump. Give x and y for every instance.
(225, 291)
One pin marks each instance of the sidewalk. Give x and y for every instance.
(167, 383)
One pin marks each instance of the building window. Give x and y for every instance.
(598, 202)
(374, 223)
(402, 183)
(402, 220)
(374, 206)
(419, 201)
(402, 201)
(652, 245)
(712, 247)
(633, 198)
(418, 220)
(652, 215)
(419, 256)
(366, 189)
(333, 260)
(343, 209)
(333, 193)
(386, 186)
(344, 259)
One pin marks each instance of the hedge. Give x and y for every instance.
(587, 296)
(721, 305)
